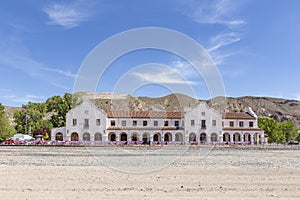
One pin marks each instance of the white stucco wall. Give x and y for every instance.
(86, 110)
(203, 112)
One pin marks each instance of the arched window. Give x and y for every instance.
(86, 137)
(74, 136)
(178, 137)
(192, 137)
(98, 137)
(214, 137)
(59, 137)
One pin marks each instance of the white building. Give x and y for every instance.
(200, 125)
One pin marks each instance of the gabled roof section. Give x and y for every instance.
(237, 115)
(144, 114)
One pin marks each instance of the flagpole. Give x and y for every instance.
(26, 128)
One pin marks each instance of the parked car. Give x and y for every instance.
(292, 142)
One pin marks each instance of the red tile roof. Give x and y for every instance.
(240, 129)
(142, 128)
(237, 115)
(145, 114)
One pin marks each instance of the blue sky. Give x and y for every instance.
(255, 45)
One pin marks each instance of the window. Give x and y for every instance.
(145, 123)
(86, 123)
(98, 122)
(166, 123)
(134, 123)
(203, 113)
(250, 124)
(74, 122)
(155, 123)
(231, 124)
(203, 124)
(123, 122)
(222, 124)
(241, 124)
(86, 112)
(192, 122)
(214, 122)
(112, 123)
(176, 123)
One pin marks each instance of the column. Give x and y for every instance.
(173, 137)
(208, 138)
(262, 138)
(231, 137)
(221, 137)
(251, 139)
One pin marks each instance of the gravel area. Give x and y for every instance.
(144, 172)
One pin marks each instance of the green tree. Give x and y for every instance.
(269, 125)
(278, 132)
(59, 106)
(32, 119)
(6, 130)
(278, 135)
(288, 129)
(20, 121)
(297, 137)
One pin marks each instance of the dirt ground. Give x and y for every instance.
(80, 173)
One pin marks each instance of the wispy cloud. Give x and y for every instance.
(217, 46)
(218, 12)
(184, 68)
(15, 55)
(223, 40)
(67, 73)
(163, 76)
(214, 12)
(68, 15)
(24, 99)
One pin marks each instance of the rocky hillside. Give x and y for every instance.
(279, 109)
(10, 112)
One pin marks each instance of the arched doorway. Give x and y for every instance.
(214, 137)
(98, 137)
(203, 137)
(112, 137)
(86, 137)
(157, 137)
(257, 138)
(146, 138)
(123, 137)
(192, 137)
(247, 137)
(226, 137)
(178, 137)
(59, 137)
(134, 137)
(236, 137)
(74, 136)
(168, 137)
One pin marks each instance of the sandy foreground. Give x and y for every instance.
(149, 172)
